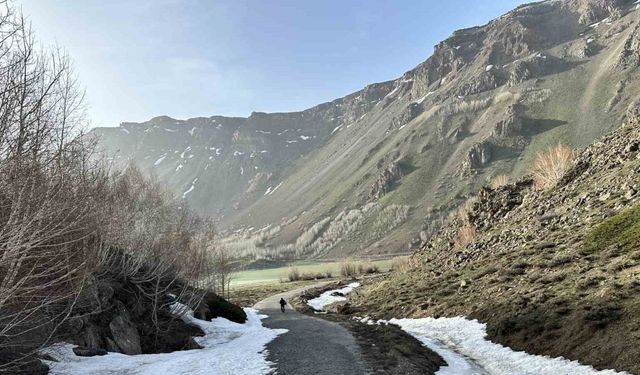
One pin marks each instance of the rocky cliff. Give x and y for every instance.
(485, 102)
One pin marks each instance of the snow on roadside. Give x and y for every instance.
(463, 345)
(328, 298)
(229, 348)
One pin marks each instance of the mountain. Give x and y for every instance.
(378, 171)
(551, 272)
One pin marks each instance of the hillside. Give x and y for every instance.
(551, 272)
(377, 171)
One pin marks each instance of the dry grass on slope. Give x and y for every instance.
(551, 165)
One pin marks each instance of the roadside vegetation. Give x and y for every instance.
(70, 227)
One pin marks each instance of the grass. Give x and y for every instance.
(275, 275)
(498, 181)
(622, 229)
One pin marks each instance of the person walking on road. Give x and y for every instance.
(282, 304)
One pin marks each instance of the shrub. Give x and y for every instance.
(498, 181)
(403, 264)
(506, 96)
(466, 235)
(293, 274)
(367, 268)
(462, 213)
(551, 165)
(347, 269)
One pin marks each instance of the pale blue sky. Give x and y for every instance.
(142, 58)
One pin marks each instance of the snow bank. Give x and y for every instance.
(462, 344)
(229, 348)
(327, 298)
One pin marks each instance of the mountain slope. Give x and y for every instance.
(551, 272)
(379, 169)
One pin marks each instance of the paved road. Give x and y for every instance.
(312, 345)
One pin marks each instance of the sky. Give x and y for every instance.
(138, 59)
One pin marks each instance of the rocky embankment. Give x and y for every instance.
(553, 272)
(120, 312)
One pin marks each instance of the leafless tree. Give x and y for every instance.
(65, 219)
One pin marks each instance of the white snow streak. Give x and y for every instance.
(463, 344)
(185, 151)
(271, 190)
(157, 162)
(184, 195)
(125, 130)
(328, 297)
(229, 348)
(419, 101)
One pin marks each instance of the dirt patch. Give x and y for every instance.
(389, 350)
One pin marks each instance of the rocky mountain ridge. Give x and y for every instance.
(487, 100)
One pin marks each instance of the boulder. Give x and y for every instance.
(124, 333)
(219, 307)
(478, 156)
(83, 351)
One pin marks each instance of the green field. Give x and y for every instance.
(271, 275)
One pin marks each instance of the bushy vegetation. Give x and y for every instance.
(405, 264)
(462, 212)
(551, 165)
(66, 220)
(348, 268)
(466, 235)
(294, 274)
(465, 106)
(498, 181)
(390, 218)
(321, 237)
(367, 267)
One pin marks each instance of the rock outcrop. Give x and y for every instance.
(409, 113)
(111, 316)
(630, 55)
(383, 184)
(478, 156)
(511, 124)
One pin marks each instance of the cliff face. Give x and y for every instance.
(487, 100)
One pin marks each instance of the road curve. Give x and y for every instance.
(312, 345)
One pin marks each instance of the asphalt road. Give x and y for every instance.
(312, 346)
